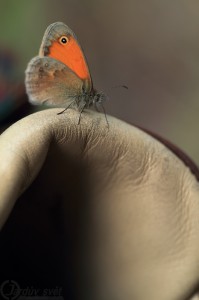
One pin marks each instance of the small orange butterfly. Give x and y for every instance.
(60, 74)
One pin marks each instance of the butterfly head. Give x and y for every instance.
(100, 97)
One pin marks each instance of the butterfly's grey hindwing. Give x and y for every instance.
(50, 81)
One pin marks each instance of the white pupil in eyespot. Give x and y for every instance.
(64, 40)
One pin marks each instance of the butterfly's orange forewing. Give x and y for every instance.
(71, 55)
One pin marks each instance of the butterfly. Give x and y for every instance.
(59, 75)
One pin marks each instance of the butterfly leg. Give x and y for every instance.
(61, 112)
(105, 114)
(84, 105)
(95, 106)
(97, 109)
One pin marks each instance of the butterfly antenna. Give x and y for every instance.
(120, 86)
(61, 112)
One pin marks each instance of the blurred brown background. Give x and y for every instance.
(152, 46)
